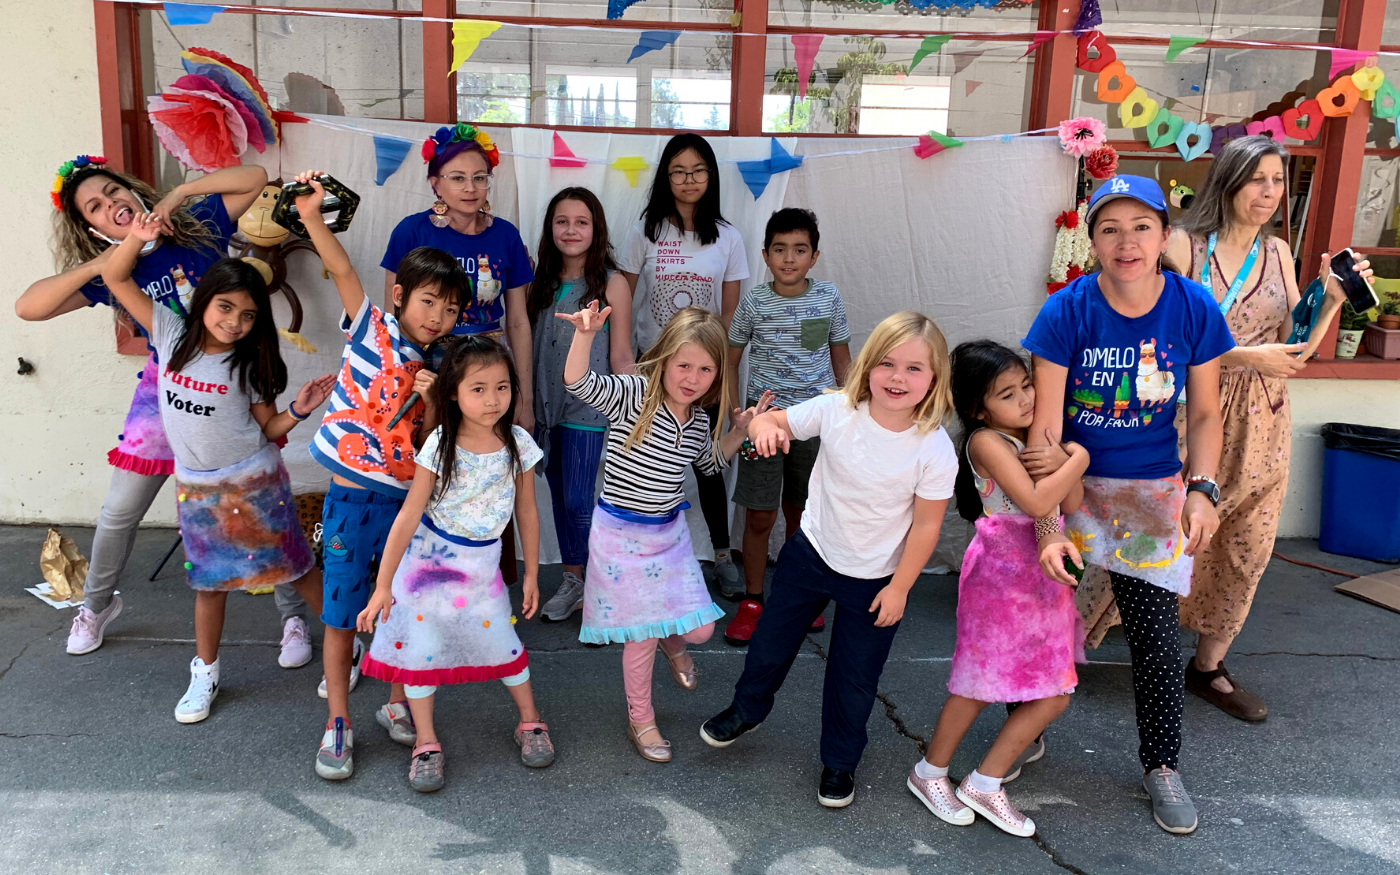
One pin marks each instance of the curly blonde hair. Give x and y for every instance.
(937, 407)
(73, 245)
(691, 325)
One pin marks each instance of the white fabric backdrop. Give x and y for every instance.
(964, 236)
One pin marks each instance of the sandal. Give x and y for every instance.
(686, 679)
(1239, 703)
(657, 752)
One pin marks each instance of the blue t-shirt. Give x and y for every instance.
(169, 273)
(495, 259)
(1125, 374)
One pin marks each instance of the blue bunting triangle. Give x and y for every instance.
(617, 7)
(389, 153)
(190, 13)
(757, 173)
(651, 40)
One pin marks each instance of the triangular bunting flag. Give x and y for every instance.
(466, 36)
(757, 173)
(651, 40)
(1179, 44)
(630, 166)
(970, 86)
(933, 142)
(563, 155)
(961, 60)
(1041, 38)
(617, 7)
(804, 48)
(929, 46)
(190, 13)
(1344, 58)
(389, 153)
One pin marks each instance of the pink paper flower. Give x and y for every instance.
(1080, 136)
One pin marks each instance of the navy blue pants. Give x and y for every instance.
(572, 472)
(803, 584)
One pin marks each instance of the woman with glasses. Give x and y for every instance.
(461, 161)
(682, 253)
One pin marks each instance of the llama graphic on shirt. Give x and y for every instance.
(487, 287)
(182, 286)
(1154, 386)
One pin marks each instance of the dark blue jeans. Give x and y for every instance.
(572, 472)
(803, 584)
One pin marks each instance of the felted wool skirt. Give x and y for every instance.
(643, 581)
(450, 621)
(1019, 633)
(1133, 527)
(240, 525)
(142, 447)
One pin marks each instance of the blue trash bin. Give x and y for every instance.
(1361, 492)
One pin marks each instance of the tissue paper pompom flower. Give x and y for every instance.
(1080, 136)
(429, 149)
(1101, 163)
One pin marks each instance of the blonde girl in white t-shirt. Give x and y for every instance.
(877, 497)
(684, 254)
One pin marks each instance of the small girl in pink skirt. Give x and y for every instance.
(1019, 634)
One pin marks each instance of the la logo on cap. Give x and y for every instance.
(1119, 185)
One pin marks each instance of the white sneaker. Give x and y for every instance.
(335, 761)
(566, 599)
(356, 654)
(296, 644)
(86, 634)
(199, 698)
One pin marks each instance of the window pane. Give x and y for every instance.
(1390, 31)
(1006, 17)
(1376, 202)
(1382, 131)
(1308, 21)
(1217, 86)
(578, 77)
(652, 10)
(861, 85)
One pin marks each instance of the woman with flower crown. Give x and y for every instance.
(95, 207)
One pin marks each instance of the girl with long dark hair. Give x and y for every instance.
(575, 270)
(684, 254)
(218, 387)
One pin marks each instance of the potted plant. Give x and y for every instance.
(1390, 316)
(1383, 338)
(1349, 330)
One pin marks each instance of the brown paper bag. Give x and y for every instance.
(63, 567)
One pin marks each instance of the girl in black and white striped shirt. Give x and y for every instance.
(643, 583)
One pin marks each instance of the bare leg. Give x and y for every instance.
(792, 520)
(422, 711)
(336, 654)
(208, 624)
(524, 698)
(758, 525)
(575, 570)
(396, 693)
(956, 718)
(308, 586)
(1024, 725)
(1210, 652)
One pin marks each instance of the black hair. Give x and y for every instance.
(976, 366)
(426, 266)
(661, 204)
(460, 356)
(791, 219)
(597, 262)
(256, 358)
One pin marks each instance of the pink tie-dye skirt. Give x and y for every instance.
(142, 447)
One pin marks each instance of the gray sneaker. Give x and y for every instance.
(1034, 751)
(566, 599)
(335, 761)
(1171, 807)
(425, 770)
(398, 722)
(536, 750)
(729, 578)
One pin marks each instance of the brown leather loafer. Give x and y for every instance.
(1240, 703)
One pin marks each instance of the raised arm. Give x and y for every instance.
(276, 425)
(333, 257)
(620, 356)
(586, 324)
(116, 273)
(239, 186)
(62, 293)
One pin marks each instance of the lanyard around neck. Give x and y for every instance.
(1240, 277)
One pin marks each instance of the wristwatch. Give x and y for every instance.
(1206, 486)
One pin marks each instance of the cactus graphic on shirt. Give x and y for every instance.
(1121, 397)
(1089, 398)
(182, 285)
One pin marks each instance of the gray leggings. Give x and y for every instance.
(128, 499)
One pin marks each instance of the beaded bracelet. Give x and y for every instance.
(1047, 525)
(292, 412)
(748, 450)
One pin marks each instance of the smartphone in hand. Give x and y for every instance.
(1358, 290)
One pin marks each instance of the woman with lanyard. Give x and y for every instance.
(1224, 239)
(461, 161)
(94, 208)
(1112, 350)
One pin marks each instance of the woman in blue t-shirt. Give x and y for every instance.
(95, 208)
(1113, 350)
(461, 161)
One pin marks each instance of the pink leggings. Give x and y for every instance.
(638, 657)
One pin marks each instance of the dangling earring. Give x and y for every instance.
(439, 216)
(486, 207)
(1159, 263)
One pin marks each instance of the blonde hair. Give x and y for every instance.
(73, 245)
(691, 325)
(937, 406)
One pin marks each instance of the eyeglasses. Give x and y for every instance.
(480, 181)
(681, 177)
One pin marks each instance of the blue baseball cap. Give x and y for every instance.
(1139, 188)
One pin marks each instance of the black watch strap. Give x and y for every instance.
(1206, 488)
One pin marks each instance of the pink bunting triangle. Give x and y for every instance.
(1344, 58)
(1041, 38)
(563, 155)
(804, 47)
(961, 60)
(970, 86)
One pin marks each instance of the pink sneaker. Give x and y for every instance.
(996, 808)
(939, 796)
(86, 634)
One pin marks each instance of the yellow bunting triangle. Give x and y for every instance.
(631, 166)
(466, 36)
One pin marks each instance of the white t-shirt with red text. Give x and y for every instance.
(676, 272)
(208, 419)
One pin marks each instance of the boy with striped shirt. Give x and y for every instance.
(799, 345)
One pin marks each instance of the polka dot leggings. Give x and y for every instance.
(1150, 623)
